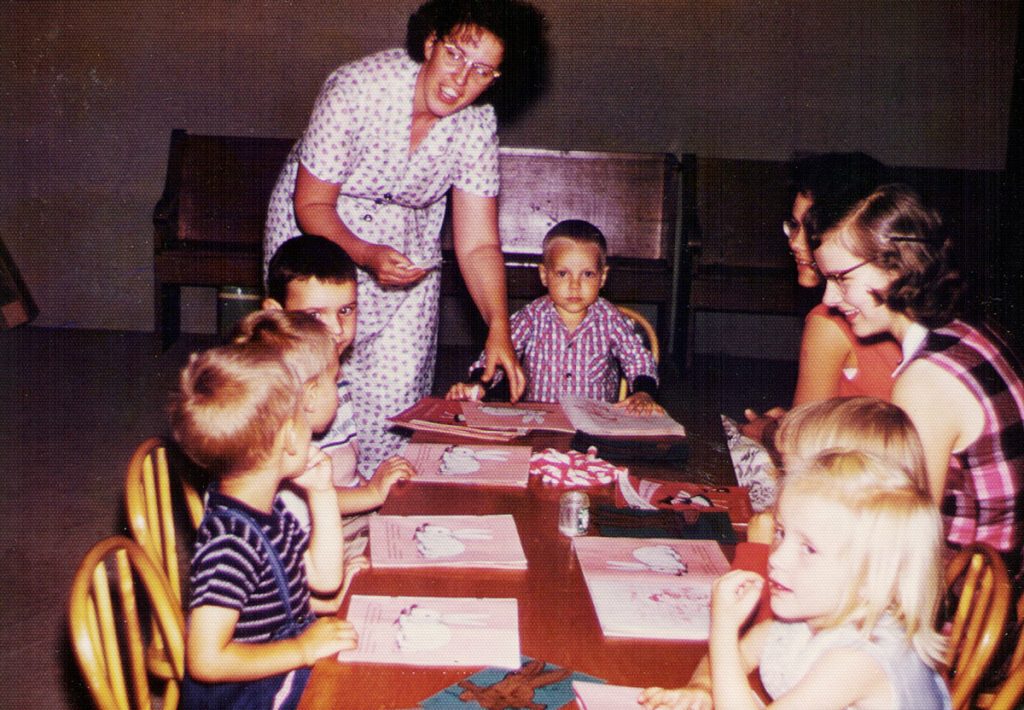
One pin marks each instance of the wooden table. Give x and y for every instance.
(557, 622)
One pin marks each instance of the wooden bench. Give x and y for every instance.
(209, 220)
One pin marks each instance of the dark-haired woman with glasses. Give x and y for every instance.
(886, 263)
(389, 136)
(834, 362)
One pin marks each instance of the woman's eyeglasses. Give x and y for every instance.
(455, 58)
(790, 227)
(839, 277)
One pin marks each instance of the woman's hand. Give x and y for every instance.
(499, 353)
(388, 266)
(466, 392)
(733, 598)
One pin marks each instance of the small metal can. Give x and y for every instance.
(574, 513)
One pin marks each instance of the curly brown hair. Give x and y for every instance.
(520, 27)
(894, 230)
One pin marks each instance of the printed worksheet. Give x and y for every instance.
(650, 587)
(434, 631)
(489, 541)
(470, 464)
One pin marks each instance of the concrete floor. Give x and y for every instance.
(73, 406)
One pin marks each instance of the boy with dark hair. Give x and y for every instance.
(313, 275)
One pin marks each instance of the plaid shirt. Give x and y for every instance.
(985, 484)
(586, 362)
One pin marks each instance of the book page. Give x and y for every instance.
(520, 417)
(604, 419)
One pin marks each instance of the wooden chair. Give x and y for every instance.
(148, 502)
(647, 333)
(1010, 694)
(978, 586)
(104, 616)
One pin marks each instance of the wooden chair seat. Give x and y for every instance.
(650, 337)
(116, 580)
(978, 590)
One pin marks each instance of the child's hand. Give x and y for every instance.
(317, 476)
(353, 566)
(761, 427)
(640, 403)
(326, 636)
(391, 471)
(463, 391)
(689, 698)
(733, 597)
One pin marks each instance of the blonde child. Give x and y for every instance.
(854, 577)
(852, 424)
(572, 341)
(240, 413)
(304, 343)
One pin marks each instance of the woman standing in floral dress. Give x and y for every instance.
(390, 134)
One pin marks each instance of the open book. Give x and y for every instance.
(434, 631)
(446, 541)
(651, 588)
(605, 419)
(475, 464)
(442, 416)
(521, 417)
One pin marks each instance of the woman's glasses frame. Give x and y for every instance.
(455, 58)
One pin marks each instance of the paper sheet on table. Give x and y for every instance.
(487, 541)
(651, 588)
(434, 631)
(601, 696)
(470, 464)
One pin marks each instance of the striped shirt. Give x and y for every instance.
(985, 485)
(230, 568)
(586, 362)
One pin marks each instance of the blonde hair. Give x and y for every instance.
(852, 424)
(230, 404)
(299, 339)
(893, 544)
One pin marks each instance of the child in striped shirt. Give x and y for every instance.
(242, 414)
(572, 341)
